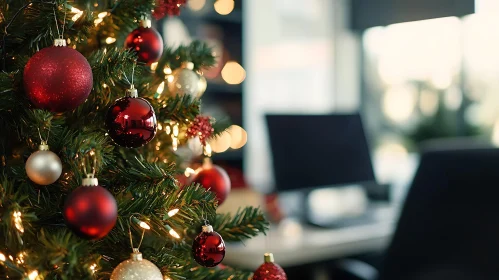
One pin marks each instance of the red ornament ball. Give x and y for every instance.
(213, 178)
(58, 79)
(269, 270)
(147, 42)
(90, 211)
(208, 249)
(131, 122)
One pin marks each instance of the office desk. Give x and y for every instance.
(313, 244)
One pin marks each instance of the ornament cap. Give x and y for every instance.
(132, 92)
(146, 23)
(43, 146)
(187, 64)
(268, 257)
(60, 42)
(207, 163)
(207, 228)
(90, 181)
(136, 255)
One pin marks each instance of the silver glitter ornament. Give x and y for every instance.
(136, 268)
(43, 166)
(185, 81)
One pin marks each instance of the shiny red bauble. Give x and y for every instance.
(269, 270)
(213, 178)
(58, 79)
(90, 211)
(147, 42)
(131, 122)
(208, 249)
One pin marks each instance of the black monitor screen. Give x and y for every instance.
(318, 151)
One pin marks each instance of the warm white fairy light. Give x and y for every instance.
(20, 257)
(154, 66)
(78, 13)
(102, 15)
(175, 140)
(93, 268)
(110, 40)
(160, 89)
(144, 225)
(18, 222)
(97, 21)
(33, 275)
(173, 233)
(167, 70)
(2, 257)
(173, 212)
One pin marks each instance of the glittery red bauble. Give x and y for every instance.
(201, 127)
(208, 248)
(270, 271)
(90, 211)
(214, 178)
(131, 122)
(58, 79)
(167, 7)
(147, 43)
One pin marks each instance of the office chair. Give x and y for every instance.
(449, 225)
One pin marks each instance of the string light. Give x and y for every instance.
(18, 222)
(167, 70)
(93, 268)
(102, 15)
(141, 223)
(173, 212)
(144, 225)
(154, 66)
(172, 232)
(78, 13)
(160, 90)
(97, 21)
(20, 257)
(33, 275)
(110, 40)
(2, 257)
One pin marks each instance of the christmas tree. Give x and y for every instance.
(87, 133)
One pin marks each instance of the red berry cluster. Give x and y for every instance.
(201, 127)
(168, 7)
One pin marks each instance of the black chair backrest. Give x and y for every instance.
(449, 226)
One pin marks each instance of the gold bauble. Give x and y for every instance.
(184, 81)
(136, 268)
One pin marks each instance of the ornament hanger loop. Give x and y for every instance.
(90, 158)
(60, 34)
(41, 138)
(132, 217)
(133, 74)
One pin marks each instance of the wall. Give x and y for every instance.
(299, 58)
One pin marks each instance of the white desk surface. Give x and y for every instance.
(298, 245)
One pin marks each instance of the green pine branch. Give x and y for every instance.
(246, 223)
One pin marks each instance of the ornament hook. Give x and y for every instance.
(143, 225)
(43, 142)
(93, 165)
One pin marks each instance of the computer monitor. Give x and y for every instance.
(310, 151)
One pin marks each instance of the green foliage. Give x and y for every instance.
(142, 180)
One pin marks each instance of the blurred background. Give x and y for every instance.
(414, 70)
